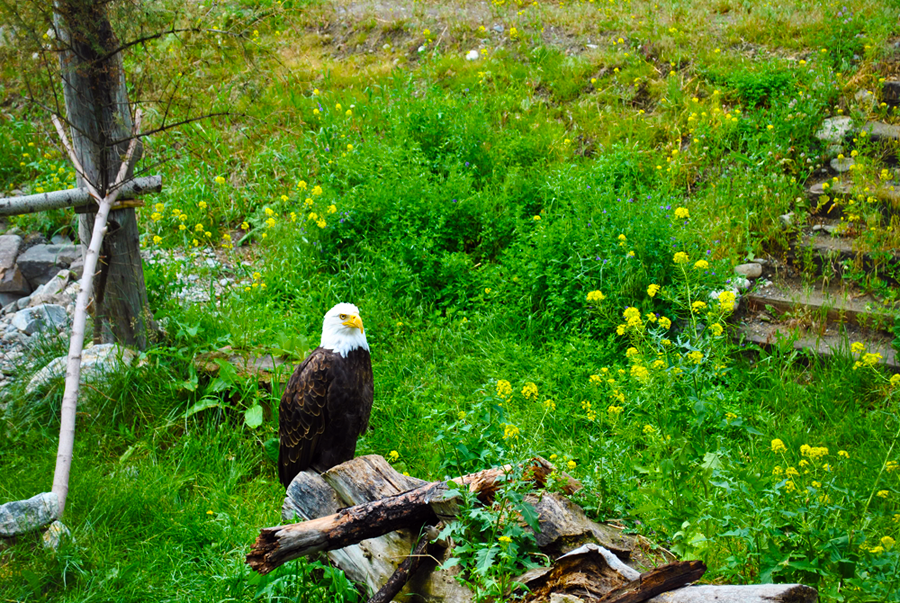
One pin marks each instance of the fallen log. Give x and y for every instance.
(277, 545)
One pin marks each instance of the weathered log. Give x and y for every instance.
(371, 562)
(402, 574)
(74, 197)
(277, 545)
(657, 581)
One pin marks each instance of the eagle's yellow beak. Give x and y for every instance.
(354, 321)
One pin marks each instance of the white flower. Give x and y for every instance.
(472, 55)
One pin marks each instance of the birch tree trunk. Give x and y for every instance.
(100, 121)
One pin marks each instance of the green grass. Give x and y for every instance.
(469, 208)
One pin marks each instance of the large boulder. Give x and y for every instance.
(40, 318)
(96, 361)
(39, 264)
(22, 516)
(9, 251)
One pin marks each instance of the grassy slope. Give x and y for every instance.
(461, 286)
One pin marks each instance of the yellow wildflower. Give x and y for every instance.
(778, 446)
(652, 290)
(701, 264)
(716, 329)
(682, 213)
(681, 258)
(665, 322)
(530, 391)
(393, 455)
(697, 306)
(595, 297)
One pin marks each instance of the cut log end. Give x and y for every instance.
(266, 544)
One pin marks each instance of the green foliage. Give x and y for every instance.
(493, 543)
(497, 220)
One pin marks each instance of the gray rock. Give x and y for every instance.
(60, 240)
(23, 302)
(21, 516)
(41, 263)
(8, 300)
(11, 306)
(77, 267)
(865, 98)
(890, 93)
(96, 361)
(40, 318)
(835, 129)
(880, 131)
(787, 219)
(54, 534)
(842, 166)
(750, 270)
(51, 290)
(13, 281)
(9, 251)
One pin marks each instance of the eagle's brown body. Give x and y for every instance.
(324, 409)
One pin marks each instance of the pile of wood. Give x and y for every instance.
(368, 519)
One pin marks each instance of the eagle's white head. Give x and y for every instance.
(342, 330)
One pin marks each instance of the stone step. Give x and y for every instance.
(815, 307)
(835, 130)
(832, 254)
(830, 343)
(888, 200)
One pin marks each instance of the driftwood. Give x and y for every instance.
(413, 508)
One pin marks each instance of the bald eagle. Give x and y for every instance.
(328, 399)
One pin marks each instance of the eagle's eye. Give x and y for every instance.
(343, 317)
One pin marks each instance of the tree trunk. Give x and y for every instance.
(100, 120)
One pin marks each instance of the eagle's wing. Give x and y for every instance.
(302, 415)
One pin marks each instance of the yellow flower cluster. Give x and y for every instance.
(778, 446)
(696, 356)
(550, 405)
(665, 322)
(653, 289)
(681, 258)
(614, 411)
(504, 388)
(701, 264)
(632, 317)
(868, 360)
(393, 455)
(530, 391)
(726, 301)
(640, 372)
(697, 306)
(813, 452)
(716, 329)
(595, 297)
(510, 432)
(682, 213)
(588, 410)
